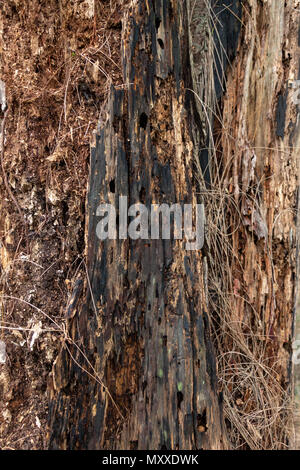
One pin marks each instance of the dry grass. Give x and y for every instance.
(257, 408)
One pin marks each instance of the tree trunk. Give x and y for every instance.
(144, 325)
(207, 115)
(257, 147)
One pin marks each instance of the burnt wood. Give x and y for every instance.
(143, 324)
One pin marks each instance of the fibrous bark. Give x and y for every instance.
(257, 146)
(207, 109)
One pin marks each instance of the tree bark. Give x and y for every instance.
(206, 115)
(144, 324)
(257, 150)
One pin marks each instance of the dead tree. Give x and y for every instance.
(182, 123)
(259, 144)
(151, 381)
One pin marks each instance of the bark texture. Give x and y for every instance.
(257, 147)
(57, 61)
(143, 321)
(143, 324)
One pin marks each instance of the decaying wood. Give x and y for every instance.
(258, 145)
(144, 322)
(143, 325)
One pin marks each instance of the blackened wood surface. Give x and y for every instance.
(144, 328)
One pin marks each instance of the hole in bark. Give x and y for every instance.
(143, 120)
(112, 186)
(161, 43)
(144, 385)
(201, 421)
(165, 340)
(111, 256)
(157, 22)
(142, 195)
(179, 399)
